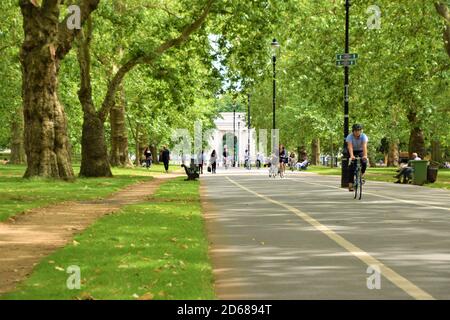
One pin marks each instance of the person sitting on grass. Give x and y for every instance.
(5, 161)
(302, 165)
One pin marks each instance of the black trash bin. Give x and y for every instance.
(432, 174)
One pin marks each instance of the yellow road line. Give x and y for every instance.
(401, 282)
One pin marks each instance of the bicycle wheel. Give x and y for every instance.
(356, 183)
(360, 186)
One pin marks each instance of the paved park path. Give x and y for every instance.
(36, 234)
(303, 237)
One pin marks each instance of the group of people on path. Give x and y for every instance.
(164, 157)
(357, 142)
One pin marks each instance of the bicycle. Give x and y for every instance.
(358, 181)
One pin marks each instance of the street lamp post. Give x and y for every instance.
(275, 45)
(239, 140)
(345, 155)
(234, 136)
(248, 135)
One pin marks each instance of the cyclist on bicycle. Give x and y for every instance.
(357, 147)
(283, 159)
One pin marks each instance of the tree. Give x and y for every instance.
(46, 42)
(95, 162)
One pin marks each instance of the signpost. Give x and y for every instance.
(345, 63)
(346, 59)
(347, 56)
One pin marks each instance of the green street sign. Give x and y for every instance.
(345, 63)
(347, 56)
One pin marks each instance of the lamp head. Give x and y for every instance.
(275, 46)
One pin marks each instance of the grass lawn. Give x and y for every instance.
(155, 250)
(386, 174)
(18, 194)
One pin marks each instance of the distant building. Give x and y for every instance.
(223, 136)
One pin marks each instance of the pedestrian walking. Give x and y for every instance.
(213, 161)
(165, 155)
(148, 157)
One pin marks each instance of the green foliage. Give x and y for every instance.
(402, 68)
(10, 72)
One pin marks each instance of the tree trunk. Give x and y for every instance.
(315, 150)
(393, 155)
(155, 153)
(45, 133)
(143, 143)
(94, 156)
(46, 42)
(119, 135)
(137, 143)
(17, 147)
(416, 138)
(332, 154)
(417, 142)
(436, 152)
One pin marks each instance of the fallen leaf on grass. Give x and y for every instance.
(59, 269)
(147, 296)
(85, 296)
(75, 243)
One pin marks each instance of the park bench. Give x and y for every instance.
(192, 172)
